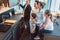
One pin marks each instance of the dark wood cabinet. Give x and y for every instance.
(6, 2)
(1, 2)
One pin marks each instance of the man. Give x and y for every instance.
(27, 11)
(35, 8)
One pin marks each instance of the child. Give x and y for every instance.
(47, 26)
(33, 23)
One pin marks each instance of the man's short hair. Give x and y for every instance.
(37, 2)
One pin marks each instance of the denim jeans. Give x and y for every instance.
(45, 31)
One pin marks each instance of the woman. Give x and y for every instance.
(47, 26)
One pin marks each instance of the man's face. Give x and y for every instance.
(27, 1)
(35, 4)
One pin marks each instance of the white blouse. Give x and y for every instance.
(49, 24)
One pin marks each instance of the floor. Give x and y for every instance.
(24, 33)
(27, 36)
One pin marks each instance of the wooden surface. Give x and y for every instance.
(3, 34)
(10, 21)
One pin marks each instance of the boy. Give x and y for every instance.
(33, 23)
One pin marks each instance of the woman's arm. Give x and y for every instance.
(43, 25)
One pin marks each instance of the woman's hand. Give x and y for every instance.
(40, 28)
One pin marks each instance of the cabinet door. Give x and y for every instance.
(1, 2)
(6, 2)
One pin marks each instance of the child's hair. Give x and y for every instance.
(34, 15)
(47, 12)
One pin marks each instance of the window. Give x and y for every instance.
(47, 6)
(43, 1)
(55, 6)
(32, 3)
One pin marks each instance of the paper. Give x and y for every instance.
(10, 21)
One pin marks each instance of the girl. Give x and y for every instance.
(47, 26)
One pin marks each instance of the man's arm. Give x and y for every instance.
(22, 6)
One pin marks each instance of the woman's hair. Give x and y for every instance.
(47, 12)
(34, 15)
(42, 4)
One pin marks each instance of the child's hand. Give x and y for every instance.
(33, 30)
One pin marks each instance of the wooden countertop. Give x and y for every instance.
(14, 18)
